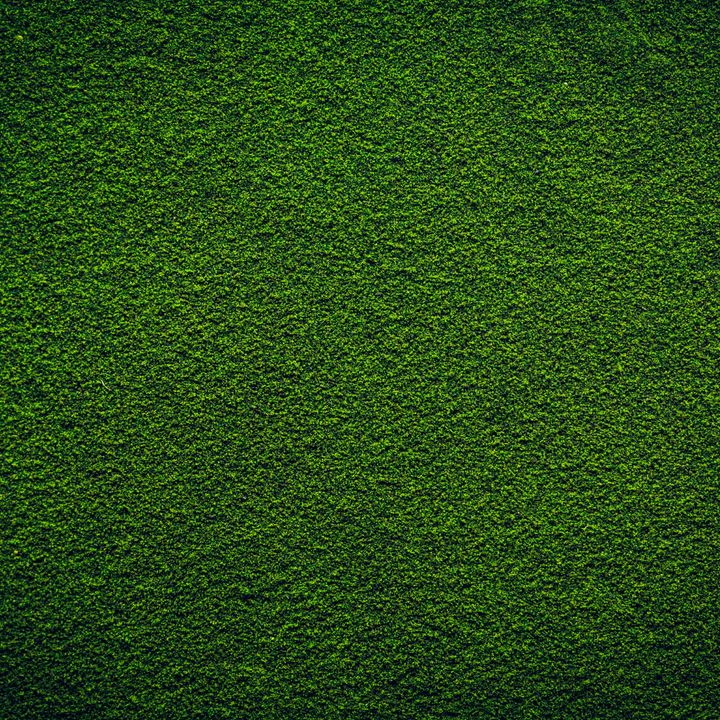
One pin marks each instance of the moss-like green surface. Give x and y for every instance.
(360, 360)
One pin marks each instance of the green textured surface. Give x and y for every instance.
(360, 360)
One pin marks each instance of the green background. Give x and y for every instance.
(360, 360)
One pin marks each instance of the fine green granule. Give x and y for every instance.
(359, 360)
